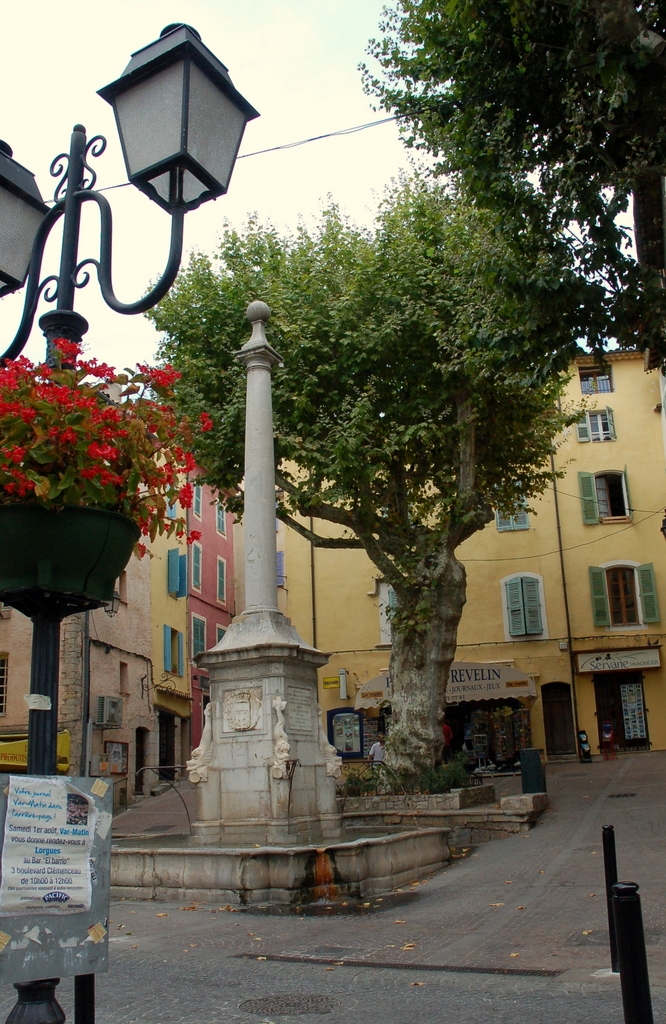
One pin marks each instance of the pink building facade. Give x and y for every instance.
(211, 589)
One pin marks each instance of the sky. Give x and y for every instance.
(296, 61)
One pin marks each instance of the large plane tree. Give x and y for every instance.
(422, 368)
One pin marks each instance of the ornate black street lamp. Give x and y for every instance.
(181, 122)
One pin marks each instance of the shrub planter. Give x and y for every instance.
(77, 550)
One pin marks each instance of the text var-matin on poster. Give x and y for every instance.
(49, 833)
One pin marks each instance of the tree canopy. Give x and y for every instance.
(421, 371)
(552, 111)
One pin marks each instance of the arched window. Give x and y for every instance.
(623, 594)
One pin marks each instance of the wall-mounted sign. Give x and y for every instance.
(330, 682)
(618, 661)
(470, 680)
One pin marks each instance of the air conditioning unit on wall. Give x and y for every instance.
(109, 714)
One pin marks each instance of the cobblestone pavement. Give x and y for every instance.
(527, 903)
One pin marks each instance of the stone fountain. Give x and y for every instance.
(268, 826)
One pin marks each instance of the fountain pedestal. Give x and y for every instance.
(271, 771)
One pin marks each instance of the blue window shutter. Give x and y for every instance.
(583, 429)
(182, 576)
(600, 609)
(280, 568)
(648, 590)
(503, 523)
(520, 521)
(196, 508)
(514, 607)
(168, 660)
(532, 605)
(172, 570)
(588, 498)
(171, 511)
(196, 566)
(181, 655)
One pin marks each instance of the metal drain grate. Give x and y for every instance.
(290, 1005)
(619, 796)
(389, 965)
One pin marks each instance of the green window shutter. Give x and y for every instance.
(196, 566)
(599, 597)
(611, 423)
(648, 589)
(172, 571)
(521, 520)
(181, 655)
(168, 660)
(198, 635)
(221, 580)
(532, 605)
(583, 429)
(196, 505)
(182, 576)
(588, 498)
(630, 511)
(221, 520)
(504, 523)
(514, 607)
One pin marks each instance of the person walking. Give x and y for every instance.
(447, 733)
(376, 752)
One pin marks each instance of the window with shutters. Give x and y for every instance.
(523, 606)
(196, 501)
(219, 633)
(623, 594)
(518, 521)
(604, 497)
(176, 573)
(196, 566)
(597, 426)
(221, 580)
(198, 635)
(221, 520)
(595, 381)
(281, 578)
(174, 651)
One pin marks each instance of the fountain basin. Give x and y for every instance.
(157, 870)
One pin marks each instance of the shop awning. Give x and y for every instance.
(14, 752)
(473, 680)
(374, 693)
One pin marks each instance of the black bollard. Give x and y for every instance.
(610, 869)
(634, 979)
(84, 999)
(37, 1003)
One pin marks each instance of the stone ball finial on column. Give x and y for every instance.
(258, 311)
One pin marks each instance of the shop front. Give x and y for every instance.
(488, 709)
(619, 695)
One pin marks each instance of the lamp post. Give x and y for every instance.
(181, 122)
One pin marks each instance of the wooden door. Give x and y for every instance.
(558, 718)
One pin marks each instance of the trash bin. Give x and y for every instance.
(532, 771)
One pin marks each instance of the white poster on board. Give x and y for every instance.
(49, 832)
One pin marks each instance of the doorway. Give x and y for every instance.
(140, 758)
(167, 726)
(620, 700)
(558, 718)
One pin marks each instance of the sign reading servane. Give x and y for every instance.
(618, 661)
(485, 681)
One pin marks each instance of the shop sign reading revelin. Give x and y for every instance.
(479, 681)
(618, 661)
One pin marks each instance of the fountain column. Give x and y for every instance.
(265, 771)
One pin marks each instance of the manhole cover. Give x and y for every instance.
(293, 1005)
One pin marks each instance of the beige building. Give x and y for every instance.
(562, 627)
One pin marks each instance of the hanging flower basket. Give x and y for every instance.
(75, 551)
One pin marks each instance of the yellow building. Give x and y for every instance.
(172, 695)
(563, 603)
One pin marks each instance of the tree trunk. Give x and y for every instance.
(419, 667)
